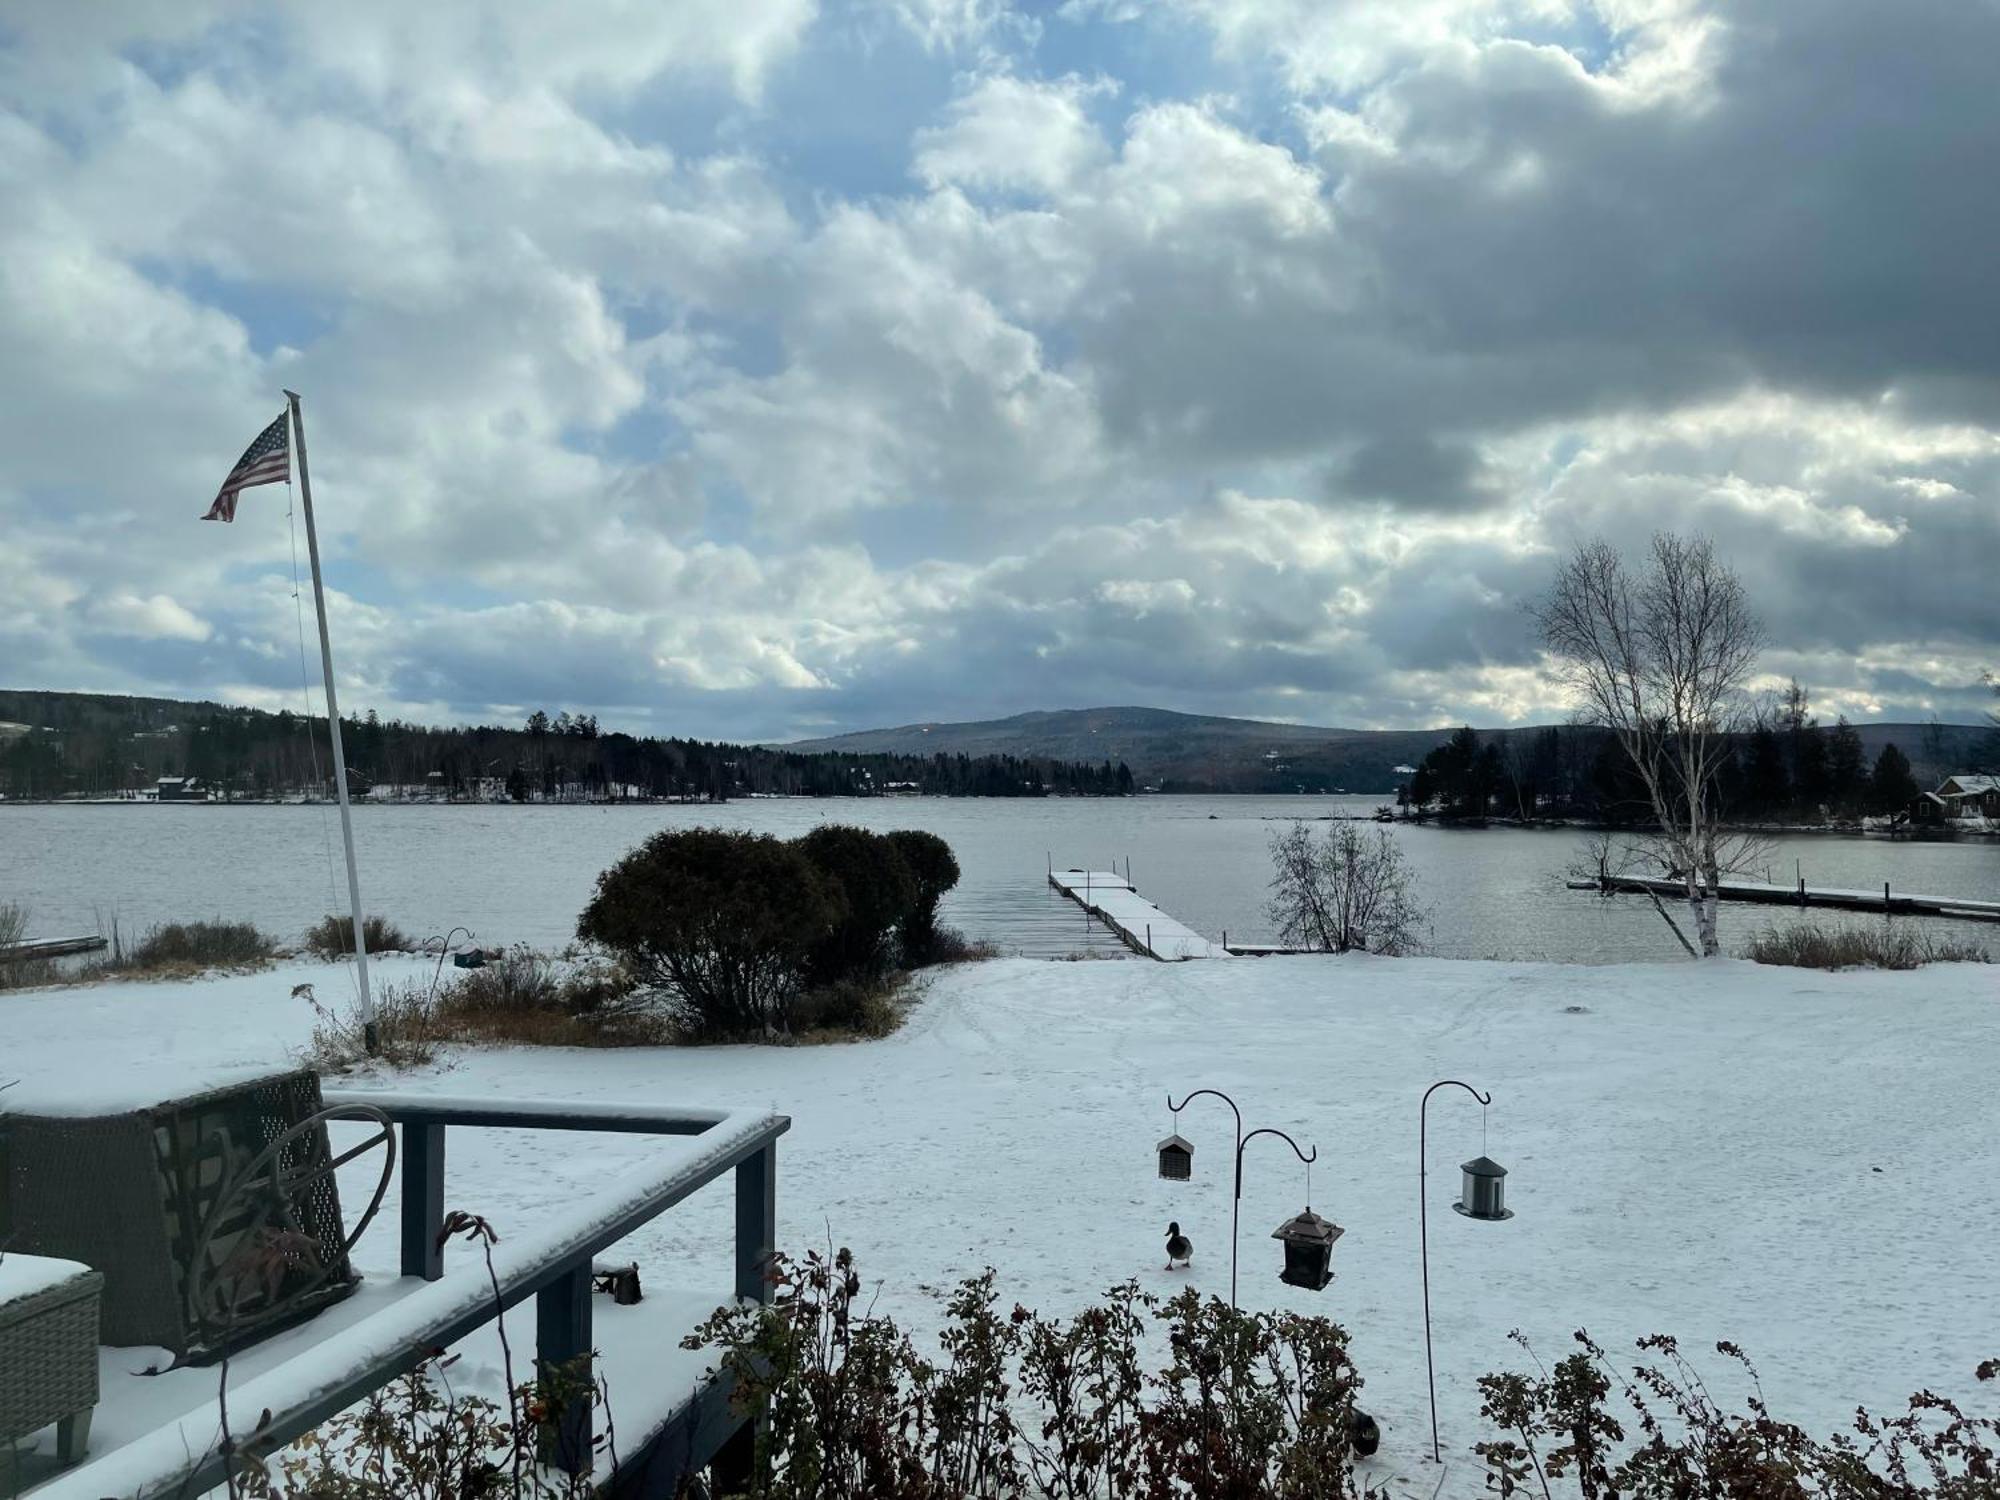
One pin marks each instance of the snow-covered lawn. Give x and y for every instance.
(1802, 1162)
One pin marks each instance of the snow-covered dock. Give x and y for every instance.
(1882, 902)
(1116, 902)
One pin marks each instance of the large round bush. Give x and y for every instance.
(725, 922)
(933, 870)
(877, 895)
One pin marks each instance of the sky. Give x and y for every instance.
(760, 369)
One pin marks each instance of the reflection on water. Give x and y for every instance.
(523, 873)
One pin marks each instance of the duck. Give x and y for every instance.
(1179, 1247)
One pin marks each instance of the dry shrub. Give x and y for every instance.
(851, 1010)
(530, 999)
(1564, 1434)
(1810, 945)
(332, 936)
(19, 973)
(1018, 1405)
(179, 947)
(407, 1030)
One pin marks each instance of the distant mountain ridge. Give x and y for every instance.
(1203, 752)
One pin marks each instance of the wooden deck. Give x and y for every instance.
(156, 1435)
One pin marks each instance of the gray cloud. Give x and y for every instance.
(1268, 404)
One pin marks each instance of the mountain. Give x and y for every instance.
(1202, 752)
(1175, 751)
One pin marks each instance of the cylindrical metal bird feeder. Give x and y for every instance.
(1484, 1194)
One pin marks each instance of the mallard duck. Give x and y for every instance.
(1179, 1247)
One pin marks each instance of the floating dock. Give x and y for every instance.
(50, 948)
(1147, 930)
(1882, 902)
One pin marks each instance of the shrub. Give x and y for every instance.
(849, 1009)
(1349, 890)
(933, 871)
(1884, 946)
(877, 896)
(333, 936)
(1021, 1405)
(531, 999)
(723, 922)
(1562, 1431)
(197, 945)
(15, 973)
(407, 1030)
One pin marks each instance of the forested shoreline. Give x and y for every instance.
(70, 745)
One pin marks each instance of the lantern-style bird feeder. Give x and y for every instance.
(1308, 1250)
(1176, 1158)
(1484, 1194)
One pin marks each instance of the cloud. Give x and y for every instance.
(763, 367)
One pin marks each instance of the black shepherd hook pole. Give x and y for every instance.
(1242, 1140)
(1424, 1234)
(1237, 1206)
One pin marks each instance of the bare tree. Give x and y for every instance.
(1661, 656)
(1343, 892)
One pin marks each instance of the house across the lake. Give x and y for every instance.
(181, 789)
(1968, 796)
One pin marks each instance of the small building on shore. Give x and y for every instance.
(181, 789)
(1969, 796)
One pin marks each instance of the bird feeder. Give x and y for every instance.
(1308, 1250)
(1484, 1194)
(1176, 1158)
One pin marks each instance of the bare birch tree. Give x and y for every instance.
(1343, 892)
(1661, 656)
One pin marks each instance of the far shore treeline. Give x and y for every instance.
(59, 745)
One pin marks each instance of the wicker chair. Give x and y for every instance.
(135, 1196)
(48, 1354)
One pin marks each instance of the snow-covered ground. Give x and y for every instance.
(1799, 1161)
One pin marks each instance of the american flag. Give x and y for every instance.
(266, 461)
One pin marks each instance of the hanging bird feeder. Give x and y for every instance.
(1176, 1158)
(1484, 1195)
(1308, 1250)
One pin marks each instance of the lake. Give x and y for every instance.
(521, 873)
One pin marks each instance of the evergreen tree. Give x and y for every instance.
(1891, 786)
(1846, 768)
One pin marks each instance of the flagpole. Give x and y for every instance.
(368, 1030)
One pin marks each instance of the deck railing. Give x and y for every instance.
(552, 1265)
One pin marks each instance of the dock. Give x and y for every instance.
(37, 948)
(1881, 903)
(1145, 929)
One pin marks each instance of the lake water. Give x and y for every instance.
(521, 873)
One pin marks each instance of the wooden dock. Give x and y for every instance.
(37, 948)
(1147, 930)
(1882, 903)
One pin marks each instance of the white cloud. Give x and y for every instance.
(653, 368)
(1009, 132)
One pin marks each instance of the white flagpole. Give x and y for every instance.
(333, 724)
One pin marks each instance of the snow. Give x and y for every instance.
(1142, 924)
(1796, 1160)
(25, 1276)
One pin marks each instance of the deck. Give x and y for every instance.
(156, 1434)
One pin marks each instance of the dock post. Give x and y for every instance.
(1149, 941)
(1885, 898)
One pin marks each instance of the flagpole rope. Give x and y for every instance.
(305, 694)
